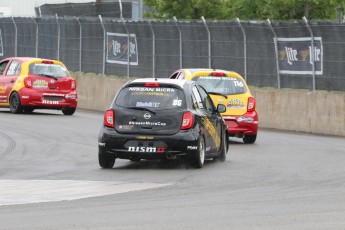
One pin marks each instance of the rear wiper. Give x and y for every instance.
(142, 108)
(220, 94)
(47, 75)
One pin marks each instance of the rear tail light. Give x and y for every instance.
(217, 74)
(251, 104)
(187, 121)
(109, 118)
(73, 84)
(152, 84)
(28, 82)
(47, 62)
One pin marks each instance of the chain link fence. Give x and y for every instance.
(300, 54)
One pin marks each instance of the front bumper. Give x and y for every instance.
(246, 124)
(131, 146)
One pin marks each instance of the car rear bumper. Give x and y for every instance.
(125, 146)
(52, 100)
(246, 124)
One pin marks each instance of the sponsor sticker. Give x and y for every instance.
(192, 147)
(236, 104)
(3, 89)
(40, 84)
(149, 123)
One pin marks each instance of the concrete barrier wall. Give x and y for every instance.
(312, 112)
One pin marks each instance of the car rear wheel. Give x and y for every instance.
(68, 111)
(15, 106)
(249, 139)
(199, 158)
(105, 161)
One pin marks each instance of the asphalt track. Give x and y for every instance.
(50, 179)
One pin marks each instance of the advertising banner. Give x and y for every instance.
(118, 49)
(295, 55)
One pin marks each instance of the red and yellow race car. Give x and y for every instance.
(33, 83)
(230, 89)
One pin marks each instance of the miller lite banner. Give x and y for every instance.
(118, 49)
(295, 55)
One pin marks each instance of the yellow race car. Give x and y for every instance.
(230, 89)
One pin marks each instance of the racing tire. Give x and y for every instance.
(68, 111)
(224, 150)
(105, 161)
(199, 158)
(15, 105)
(249, 139)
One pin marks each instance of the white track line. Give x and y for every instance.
(35, 191)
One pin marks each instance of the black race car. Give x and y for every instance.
(162, 119)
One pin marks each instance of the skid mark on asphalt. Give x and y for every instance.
(9, 143)
(35, 191)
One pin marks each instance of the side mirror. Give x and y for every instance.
(221, 108)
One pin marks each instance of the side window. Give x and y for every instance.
(206, 100)
(197, 101)
(13, 69)
(181, 76)
(174, 75)
(3, 67)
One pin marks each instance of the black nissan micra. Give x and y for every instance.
(156, 119)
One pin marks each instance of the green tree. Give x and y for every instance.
(246, 9)
(187, 9)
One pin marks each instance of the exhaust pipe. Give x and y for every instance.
(170, 156)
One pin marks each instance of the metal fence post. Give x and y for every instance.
(58, 30)
(15, 37)
(80, 43)
(128, 46)
(104, 44)
(209, 42)
(36, 44)
(312, 50)
(180, 41)
(153, 50)
(120, 5)
(276, 52)
(244, 48)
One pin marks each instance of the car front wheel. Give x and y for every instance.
(224, 150)
(199, 158)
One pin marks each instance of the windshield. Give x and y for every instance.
(154, 98)
(223, 85)
(52, 70)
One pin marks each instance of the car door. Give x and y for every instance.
(210, 119)
(9, 78)
(3, 82)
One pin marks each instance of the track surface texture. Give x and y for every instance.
(50, 179)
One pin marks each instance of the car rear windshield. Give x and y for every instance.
(223, 85)
(155, 98)
(43, 69)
